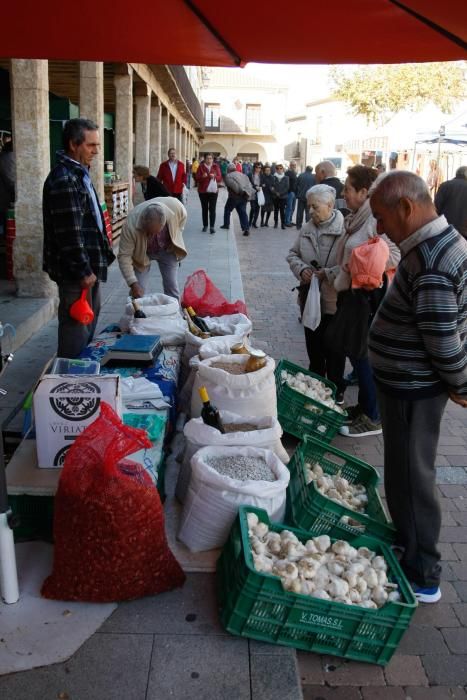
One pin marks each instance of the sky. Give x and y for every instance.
(306, 82)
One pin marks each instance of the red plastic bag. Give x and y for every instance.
(109, 531)
(206, 299)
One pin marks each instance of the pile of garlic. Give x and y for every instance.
(337, 488)
(337, 572)
(311, 387)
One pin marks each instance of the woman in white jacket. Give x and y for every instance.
(314, 253)
(360, 226)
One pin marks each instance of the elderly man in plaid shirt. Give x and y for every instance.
(76, 248)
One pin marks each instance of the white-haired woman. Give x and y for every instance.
(314, 253)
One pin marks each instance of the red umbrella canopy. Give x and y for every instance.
(210, 33)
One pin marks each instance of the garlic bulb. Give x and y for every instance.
(321, 569)
(311, 387)
(337, 488)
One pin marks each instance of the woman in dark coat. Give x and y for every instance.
(150, 185)
(255, 179)
(280, 191)
(267, 182)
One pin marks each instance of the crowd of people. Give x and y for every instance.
(382, 271)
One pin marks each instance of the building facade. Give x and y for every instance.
(244, 116)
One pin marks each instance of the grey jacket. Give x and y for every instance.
(239, 185)
(319, 243)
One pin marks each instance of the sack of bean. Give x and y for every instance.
(109, 534)
(247, 431)
(230, 388)
(222, 479)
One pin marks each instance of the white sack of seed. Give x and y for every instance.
(266, 435)
(213, 499)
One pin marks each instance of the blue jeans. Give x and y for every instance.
(367, 390)
(240, 205)
(289, 210)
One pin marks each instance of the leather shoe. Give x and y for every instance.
(246, 233)
(226, 227)
(205, 228)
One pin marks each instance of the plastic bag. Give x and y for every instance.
(266, 435)
(184, 195)
(231, 329)
(261, 198)
(212, 186)
(109, 532)
(206, 299)
(311, 317)
(213, 499)
(163, 317)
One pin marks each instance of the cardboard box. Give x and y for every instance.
(64, 405)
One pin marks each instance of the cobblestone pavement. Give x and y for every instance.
(431, 661)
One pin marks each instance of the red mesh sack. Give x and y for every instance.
(206, 299)
(110, 542)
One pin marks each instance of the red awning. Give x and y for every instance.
(217, 33)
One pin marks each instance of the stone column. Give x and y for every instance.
(143, 123)
(165, 137)
(123, 81)
(155, 137)
(172, 132)
(91, 106)
(30, 117)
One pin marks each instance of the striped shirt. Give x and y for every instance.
(417, 339)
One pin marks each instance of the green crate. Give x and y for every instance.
(309, 510)
(35, 514)
(255, 605)
(316, 419)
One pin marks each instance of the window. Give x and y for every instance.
(212, 116)
(253, 118)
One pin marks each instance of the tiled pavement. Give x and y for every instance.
(177, 635)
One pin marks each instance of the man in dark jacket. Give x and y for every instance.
(77, 251)
(305, 181)
(240, 192)
(451, 200)
(326, 175)
(292, 193)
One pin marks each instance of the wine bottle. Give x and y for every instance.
(200, 322)
(209, 413)
(193, 328)
(139, 313)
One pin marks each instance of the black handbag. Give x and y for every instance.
(347, 331)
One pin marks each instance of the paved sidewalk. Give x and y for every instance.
(172, 646)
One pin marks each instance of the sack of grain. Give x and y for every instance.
(222, 479)
(248, 431)
(246, 394)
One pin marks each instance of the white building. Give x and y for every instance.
(243, 116)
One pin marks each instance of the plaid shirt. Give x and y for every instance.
(73, 245)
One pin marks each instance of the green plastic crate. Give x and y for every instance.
(309, 510)
(316, 419)
(255, 605)
(36, 516)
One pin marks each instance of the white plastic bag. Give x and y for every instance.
(163, 317)
(311, 317)
(213, 500)
(184, 195)
(261, 198)
(252, 394)
(212, 186)
(267, 435)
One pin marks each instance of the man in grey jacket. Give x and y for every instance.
(240, 192)
(418, 355)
